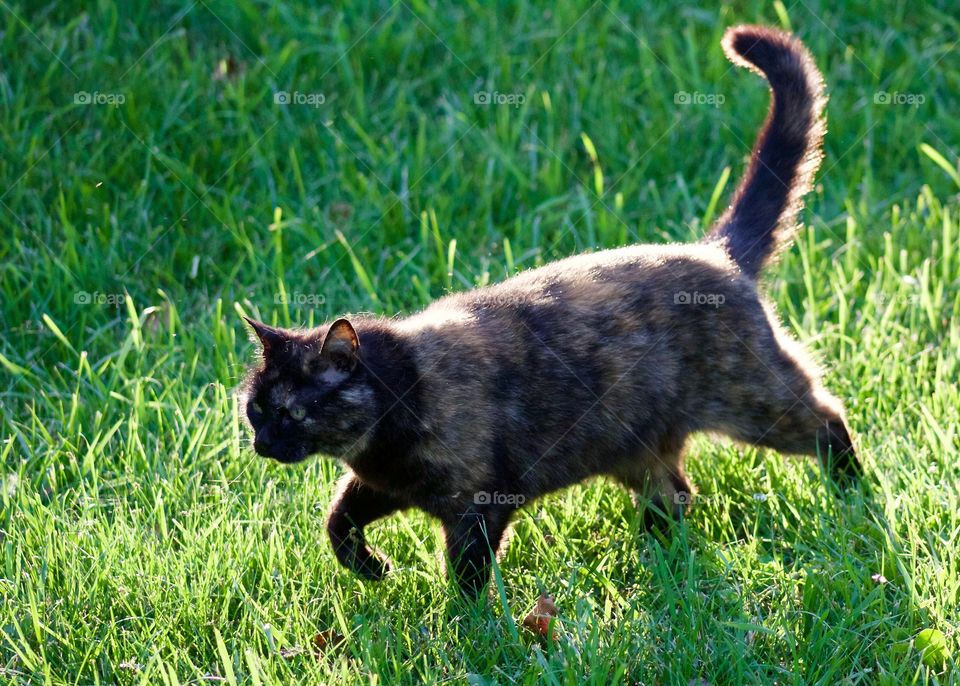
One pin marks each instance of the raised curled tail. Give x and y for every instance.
(762, 217)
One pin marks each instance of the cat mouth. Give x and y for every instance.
(289, 458)
(283, 455)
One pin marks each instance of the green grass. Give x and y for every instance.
(143, 543)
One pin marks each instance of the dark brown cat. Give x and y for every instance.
(600, 364)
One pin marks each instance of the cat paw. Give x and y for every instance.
(371, 565)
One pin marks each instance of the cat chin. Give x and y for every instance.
(304, 452)
(290, 459)
(298, 454)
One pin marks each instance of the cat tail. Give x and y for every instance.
(762, 217)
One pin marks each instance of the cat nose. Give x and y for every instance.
(261, 443)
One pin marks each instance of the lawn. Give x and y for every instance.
(168, 166)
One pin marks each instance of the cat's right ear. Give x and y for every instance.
(270, 337)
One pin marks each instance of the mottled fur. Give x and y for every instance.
(600, 364)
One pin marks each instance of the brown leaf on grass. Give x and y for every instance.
(327, 640)
(538, 619)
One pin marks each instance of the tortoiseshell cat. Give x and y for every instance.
(600, 364)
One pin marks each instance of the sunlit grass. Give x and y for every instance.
(142, 541)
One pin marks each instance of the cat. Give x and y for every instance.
(598, 364)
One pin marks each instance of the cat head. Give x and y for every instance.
(309, 393)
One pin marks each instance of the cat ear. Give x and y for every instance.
(270, 338)
(341, 347)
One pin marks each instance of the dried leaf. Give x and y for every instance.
(879, 579)
(327, 640)
(538, 619)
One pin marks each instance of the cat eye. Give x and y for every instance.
(256, 408)
(298, 413)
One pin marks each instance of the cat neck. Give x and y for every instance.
(388, 460)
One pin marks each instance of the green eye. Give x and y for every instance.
(256, 408)
(298, 412)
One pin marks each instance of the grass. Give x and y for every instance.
(142, 541)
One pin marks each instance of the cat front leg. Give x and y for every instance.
(355, 506)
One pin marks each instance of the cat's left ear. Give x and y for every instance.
(270, 338)
(341, 347)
